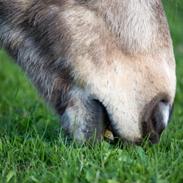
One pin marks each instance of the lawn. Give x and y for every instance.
(32, 148)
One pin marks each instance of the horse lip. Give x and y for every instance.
(109, 126)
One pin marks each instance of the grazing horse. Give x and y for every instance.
(102, 64)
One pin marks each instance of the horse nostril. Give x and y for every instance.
(160, 116)
(156, 118)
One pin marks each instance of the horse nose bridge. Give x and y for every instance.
(155, 83)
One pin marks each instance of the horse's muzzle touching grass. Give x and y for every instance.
(106, 66)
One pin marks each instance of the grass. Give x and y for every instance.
(32, 148)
